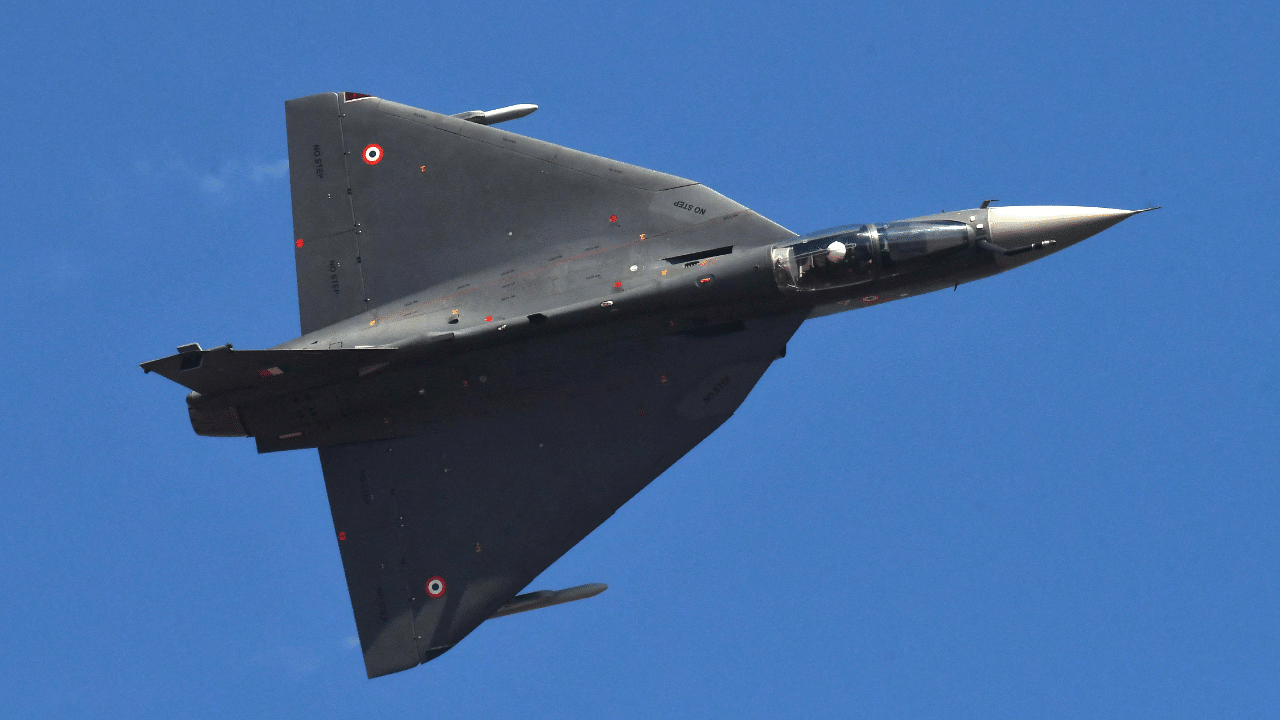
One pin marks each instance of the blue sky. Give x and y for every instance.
(1047, 494)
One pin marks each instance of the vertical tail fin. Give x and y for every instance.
(326, 237)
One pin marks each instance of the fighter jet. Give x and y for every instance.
(503, 340)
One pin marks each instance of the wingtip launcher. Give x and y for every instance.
(546, 598)
(493, 117)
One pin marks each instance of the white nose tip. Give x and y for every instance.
(1021, 225)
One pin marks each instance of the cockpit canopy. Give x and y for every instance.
(851, 255)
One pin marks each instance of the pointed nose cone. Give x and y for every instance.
(1020, 226)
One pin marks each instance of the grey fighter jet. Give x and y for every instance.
(504, 340)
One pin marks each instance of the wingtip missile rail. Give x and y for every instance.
(546, 598)
(502, 114)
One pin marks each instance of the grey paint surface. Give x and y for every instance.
(504, 340)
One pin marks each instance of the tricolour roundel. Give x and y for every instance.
(435, 587)
(373, 154)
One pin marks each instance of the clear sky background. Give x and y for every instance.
(1049, 494)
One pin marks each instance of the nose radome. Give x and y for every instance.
(1018, 226)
